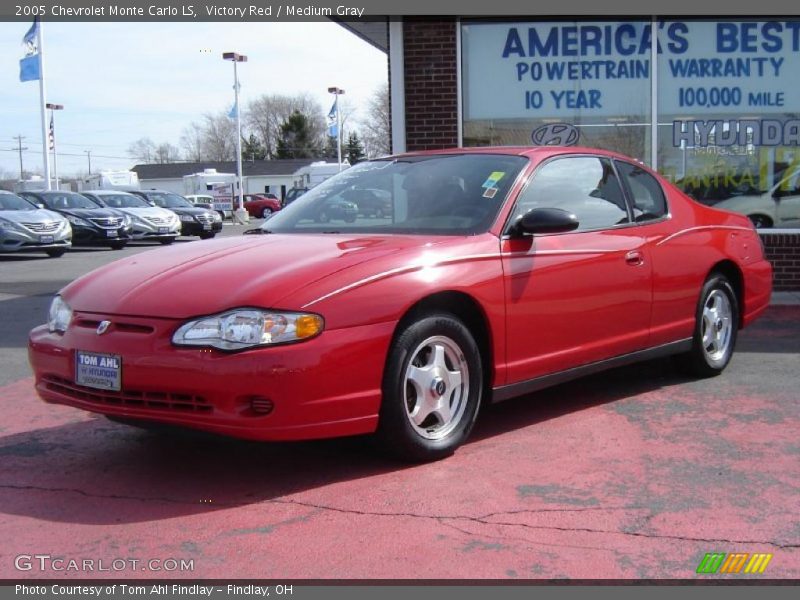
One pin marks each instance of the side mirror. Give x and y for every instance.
(545, 220)
(40, 205)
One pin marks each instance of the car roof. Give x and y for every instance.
(106, 192)
(539, 152)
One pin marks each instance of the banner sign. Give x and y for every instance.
(602, 69)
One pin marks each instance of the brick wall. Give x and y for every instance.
(783, 251)
(429, 48)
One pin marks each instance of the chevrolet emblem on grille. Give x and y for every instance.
(103, 327)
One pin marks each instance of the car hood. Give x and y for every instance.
(147, 211)
(185, 210)
(90, 213)
(31, 216)
(199, 279)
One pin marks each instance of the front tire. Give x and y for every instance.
(56, 253)
(432, 388)
(716, 328)
(760, 221)
(266, 213)
(118, 245)
(166, 241)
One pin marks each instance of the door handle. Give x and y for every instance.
(634, 258)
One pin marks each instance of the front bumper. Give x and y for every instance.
(99, 235)
(326, 387)
(22, 240)
(142, 230)
(197, 228)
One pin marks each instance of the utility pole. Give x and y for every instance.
(19, 139)
(89, 156)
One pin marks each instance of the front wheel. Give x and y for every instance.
(166, 241)
(432, 389)
(207, 235)
(716, 327)
(117, 245)
(760, 221)
(56, 253)
(266, 213)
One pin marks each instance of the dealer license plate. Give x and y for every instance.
(46, 239)
(100, 371)
(111, 233)
(163, 230)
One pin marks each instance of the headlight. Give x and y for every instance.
(6, 225)
(78, 221)
(189, 218)
(126, 221)
(248, 327)
(59, 315)
(217, 216)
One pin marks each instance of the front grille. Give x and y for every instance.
(166, 401)
(42, 227)
(108, 222)
(158, 220)
(205, 218)
(124, 327)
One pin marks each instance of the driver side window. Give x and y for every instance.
(586, 186)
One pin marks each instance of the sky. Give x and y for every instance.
(120, 82)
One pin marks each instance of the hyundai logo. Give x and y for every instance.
(103, 327)
(555, 134)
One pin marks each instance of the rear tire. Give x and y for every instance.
(715, 331)
(57, 253)
(432, 389)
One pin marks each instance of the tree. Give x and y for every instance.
(354, 150)
(252, 149)
(213, 139)
(296, 139)
(265, 116)
(166, 153)
(329, 152)
(376, 127)
(143, 149)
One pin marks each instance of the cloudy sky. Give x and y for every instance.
(123, 81)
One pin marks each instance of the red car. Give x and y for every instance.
(261, 206)
(500, 271)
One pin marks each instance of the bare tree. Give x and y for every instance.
(166, 153)
(142, 149)
(265, 115)
(376, 125)
(192, 142)
(213, 139)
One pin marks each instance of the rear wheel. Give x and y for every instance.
(56, 253)
(432, 389)
(716, 327)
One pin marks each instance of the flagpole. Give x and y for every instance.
(42, 100)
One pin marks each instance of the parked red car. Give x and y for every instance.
(261, 206)
(500, 271)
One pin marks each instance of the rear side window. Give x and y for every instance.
(586, 186)
(648, 198)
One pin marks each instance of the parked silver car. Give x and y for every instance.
(24, 227)
(147, 222)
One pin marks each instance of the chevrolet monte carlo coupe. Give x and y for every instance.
(498, 271)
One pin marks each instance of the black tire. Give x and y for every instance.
(760, 221)
(710, 357)
(166, 242)
(430, 439)
(56, 253)
(117, 245)
(207, 236)
(266, 213)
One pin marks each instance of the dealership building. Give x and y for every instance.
(711, 104)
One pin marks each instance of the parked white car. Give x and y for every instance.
(777, 207)
(24, 227)
(147, 222)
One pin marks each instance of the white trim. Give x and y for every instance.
(654, 93)
(398, 86)
(459, 86)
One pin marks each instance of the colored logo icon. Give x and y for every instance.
(735, 563)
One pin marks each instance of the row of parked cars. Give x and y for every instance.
(51, 221)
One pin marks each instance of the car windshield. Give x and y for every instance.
(167, 200)
(65, 200)
(435, 194)
(123, 201)
(14, 202)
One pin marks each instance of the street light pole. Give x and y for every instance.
(89, 156)
(53, 108)
(237, 58)
(337, 91)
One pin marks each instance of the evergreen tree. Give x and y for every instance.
(252, 149)
(296, 138)
(354, 151)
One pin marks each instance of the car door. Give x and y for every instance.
(579, 297)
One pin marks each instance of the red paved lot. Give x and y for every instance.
(634, 473)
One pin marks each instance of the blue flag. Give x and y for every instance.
(234, 111)
(29, 68)
(332, 112)
(333, 129)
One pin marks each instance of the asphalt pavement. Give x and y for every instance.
(634, 473)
